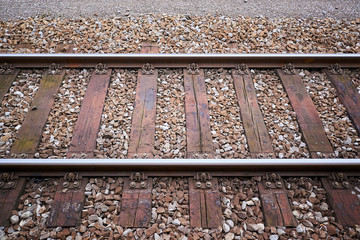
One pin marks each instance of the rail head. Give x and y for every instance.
(73, 60)
(174, 165)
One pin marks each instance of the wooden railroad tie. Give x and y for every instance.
(11, 188)
(7, 76)
(204, 200)
(347, 93)
(136, 201)
(342, 198)
(83, 142)
(29, 135)
(199, 140)
(142, 136)
(306, 113)
(257, 135)
(276, 207)
(68, 201)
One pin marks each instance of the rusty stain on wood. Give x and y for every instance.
(199, 140)
(67, 206)
(307, 115)
(31, 130)
(348, 95)
(9, 199)
(276, 207)
(205, 206)
(5, 83)
(345, 204)
(88, 123)
(256, 132)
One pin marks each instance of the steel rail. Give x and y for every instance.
(181, 60)
(175, 165)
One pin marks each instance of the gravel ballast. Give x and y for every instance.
(279, 117)
(251, 8)
(242, 216)
(15, 105)
(64, 113)
(225, 123)
(114, 135)
(188, 34)
(337, 125)
(170, 124)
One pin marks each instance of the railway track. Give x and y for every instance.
(257, 171)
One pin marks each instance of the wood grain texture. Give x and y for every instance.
(31, 130)
(135, 206)
(348, 95)
(345, 204)
(307, 115)
(213, 209)
(204, 206)
(257, 135)
(142, 136)
(276, 207)
(88, 123)
(8, 201)
(143, 212)
(195, 206)
(5, 83)
(199, 140)
(67, 206)
(129, 203)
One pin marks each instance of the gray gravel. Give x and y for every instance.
(337, 9)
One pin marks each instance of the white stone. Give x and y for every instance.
(172, 206)
(126, 232)
(261, 226)
(300, 228)
(26, 214)
(226, 228)
(229, 236)
(230, 223)
(324, 206)
(157, 237)
(243, 205)
(176, 222)
(296, 213)
(250, 203)
(14, 219)
(227, 212)
(280, 231)
(253, 227)
(274, 237)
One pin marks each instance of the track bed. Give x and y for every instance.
(180, 147)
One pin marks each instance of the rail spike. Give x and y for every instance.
(6, 69)
(335, 69)
(101, 69)
(55, 69)
(193, 69)
(288, 69)
(242, 69)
